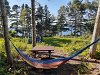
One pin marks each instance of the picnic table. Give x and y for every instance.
(43, 49)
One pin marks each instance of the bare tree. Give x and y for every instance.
(5, 29)
(96, 33)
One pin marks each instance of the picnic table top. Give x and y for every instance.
(43, 48)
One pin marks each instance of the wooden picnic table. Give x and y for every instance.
(44, 49)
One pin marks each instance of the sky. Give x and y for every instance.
(53, 5)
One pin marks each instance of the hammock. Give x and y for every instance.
(50, 63)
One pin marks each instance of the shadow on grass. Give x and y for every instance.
(65, 69)
(57, 42)
(97, 55)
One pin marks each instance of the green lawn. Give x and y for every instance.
(66, 44)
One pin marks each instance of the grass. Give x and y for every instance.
(66, 44)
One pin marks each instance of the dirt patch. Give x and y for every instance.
(77, 66)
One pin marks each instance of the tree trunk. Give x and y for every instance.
(33, 24)
(5, 30)
(75, 25)
(95, 33)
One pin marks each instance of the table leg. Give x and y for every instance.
(34, 54)
(49, 54)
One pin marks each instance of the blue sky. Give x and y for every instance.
(53, 5)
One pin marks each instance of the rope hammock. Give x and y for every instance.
(50, 63)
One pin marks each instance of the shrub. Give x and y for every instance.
(1, 35)
(13, 33)
(2, 64)
(30, 41)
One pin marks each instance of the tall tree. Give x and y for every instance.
(96, 33)
(33, 23)
(28, 20)
(61, 18)
(76, 12)
(39, 18)
(15, 8)
(5, 29)
(91, 11)
(47, 20)
(25, 19)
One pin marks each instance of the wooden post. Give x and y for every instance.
(96, 33)
(33, 24)
(5, 31)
